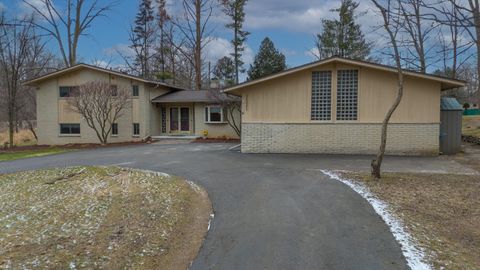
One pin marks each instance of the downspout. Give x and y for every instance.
(193, 114)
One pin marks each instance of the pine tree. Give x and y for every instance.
(225, 70)
(164, 46)
(268, 61)
(142, 37)
(235, 10)
(343, 37)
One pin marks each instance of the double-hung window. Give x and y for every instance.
(321, 95)
(69, 129)
(135, 91)
(214, 114)
(114, 90)
(136, 129)
(67, 91)
(114, 129)
(347, 94)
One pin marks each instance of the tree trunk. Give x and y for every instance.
(11, 125)
(198, 45)
(235, 52)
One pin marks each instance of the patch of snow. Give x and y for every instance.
(194, 186)
(414, 255)
(210, 221)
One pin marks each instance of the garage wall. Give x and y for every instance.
(287, 99)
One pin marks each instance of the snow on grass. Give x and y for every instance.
(414, 255)
(101, 217)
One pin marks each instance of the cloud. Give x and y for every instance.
(220, 47)
(122, 49)
(304, 16)
(38, 4)
(313, 53)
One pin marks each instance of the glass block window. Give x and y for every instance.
(321, 95)
(347, 94)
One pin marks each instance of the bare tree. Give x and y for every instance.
(67, 27)
(231, 106)
(392, 30)
(193, 27)
(20, 48)
(100, 104)
(418, 28)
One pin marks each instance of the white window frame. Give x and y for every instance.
(208, 114)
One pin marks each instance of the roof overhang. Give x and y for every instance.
(446, 83)
(200, 96)
(38, 80)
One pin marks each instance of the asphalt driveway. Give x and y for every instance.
(271, 211)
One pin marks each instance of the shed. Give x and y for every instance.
(450, 126)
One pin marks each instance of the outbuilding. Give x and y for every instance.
(337, 106)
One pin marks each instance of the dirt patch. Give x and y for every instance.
(441, 211)
(96, 217)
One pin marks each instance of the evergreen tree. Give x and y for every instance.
(235, 10)
(343, 37)
(225, 70)
(268, 61)
(143, 37)
(164, 47)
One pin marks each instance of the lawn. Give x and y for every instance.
(13, 155)
(442, 212)
(471, 125)
(100, 218)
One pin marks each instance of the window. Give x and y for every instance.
(347, 94)
(114, 90)
(214, 114)
(136, 129)
(114, 129)
(135, 91)
(69, 129)
(321, 95)
(67, 91)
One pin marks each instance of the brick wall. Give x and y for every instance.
(352, 138)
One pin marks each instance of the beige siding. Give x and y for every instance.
(287, 99)
(53, 110)
(223, 130)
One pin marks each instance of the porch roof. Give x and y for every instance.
(193, 96)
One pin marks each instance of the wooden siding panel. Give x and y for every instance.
(288, 99)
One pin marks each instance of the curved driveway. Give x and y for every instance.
(271, 211)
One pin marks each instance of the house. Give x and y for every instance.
(337, 106)
(157, 109)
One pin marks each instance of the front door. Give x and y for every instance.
(179, 119)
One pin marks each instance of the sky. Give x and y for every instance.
(291, 25)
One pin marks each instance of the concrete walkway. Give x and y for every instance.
(271, 211)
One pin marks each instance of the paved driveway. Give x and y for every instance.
(271, 211)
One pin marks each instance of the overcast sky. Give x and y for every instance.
(292, 26)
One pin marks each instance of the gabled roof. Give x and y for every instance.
(447, 83)
(192, 96)
(76, 67)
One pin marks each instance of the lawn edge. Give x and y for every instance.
(413, 253)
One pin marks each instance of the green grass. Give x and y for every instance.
(8, 156)
(471, 125)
